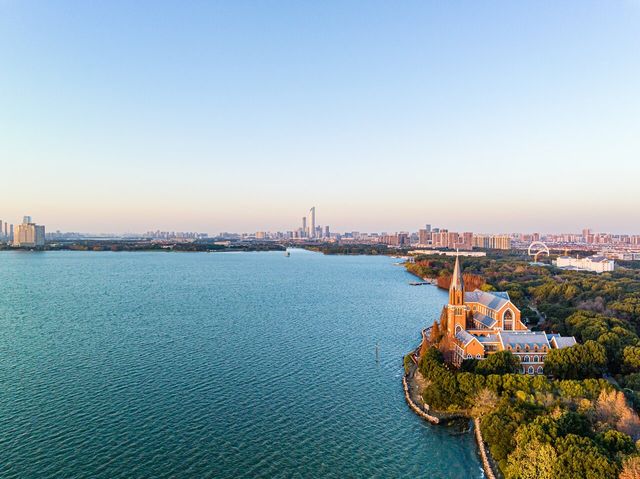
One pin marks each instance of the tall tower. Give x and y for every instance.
(304, 225)
(456, 309)
(312, 225)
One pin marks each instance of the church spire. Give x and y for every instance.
(456, 290)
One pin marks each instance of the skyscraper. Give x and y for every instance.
(304, 225)
(312, 219)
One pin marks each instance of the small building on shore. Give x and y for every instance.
(479, 323)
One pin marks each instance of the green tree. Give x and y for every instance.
(531, 460)
(502, 362)
(631, 359)
(581, 361)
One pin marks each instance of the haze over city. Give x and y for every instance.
(237, 116)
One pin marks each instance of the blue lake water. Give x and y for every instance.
(224, 365)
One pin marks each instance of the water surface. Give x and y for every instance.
(225, 365)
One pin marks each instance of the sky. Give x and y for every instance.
(487, 116)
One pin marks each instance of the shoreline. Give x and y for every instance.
(411, 388)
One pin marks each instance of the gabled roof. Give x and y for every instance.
(465, 337)
(493, 300)
(489, 338)
(522, 339)
(562, 341)
(485, 320)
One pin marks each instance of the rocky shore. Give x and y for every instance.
(413, 385)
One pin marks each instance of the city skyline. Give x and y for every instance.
(233, 117)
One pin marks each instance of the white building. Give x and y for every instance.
(597, 264)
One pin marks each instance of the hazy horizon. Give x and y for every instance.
(239, 116)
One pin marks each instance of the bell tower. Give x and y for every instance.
(456, 309)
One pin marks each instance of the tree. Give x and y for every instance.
(580, 457)
(588, 360)
(630, 468)
(583, 463)
(615, 442)
(502, 362)
(484, 402)
(435, 333)
(531, 460)
(612, 409)
(631, 359)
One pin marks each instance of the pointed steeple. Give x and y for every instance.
(456, 290)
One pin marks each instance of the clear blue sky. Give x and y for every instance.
(238, 115)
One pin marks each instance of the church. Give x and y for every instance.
(479, 323)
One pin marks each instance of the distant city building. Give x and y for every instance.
(29, 234)
(312, 222)
(596, 264)
(492, 241)
(424, 236)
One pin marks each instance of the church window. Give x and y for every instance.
(526, 359)
(539, 369)
(507, 320)
(530, 370)
(536, 359)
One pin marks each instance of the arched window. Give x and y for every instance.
(526, 359)
(539, 369)
(478, 356)
(530, 370)
(536, 359)
(507, 320)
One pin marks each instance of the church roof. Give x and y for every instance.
(457, 282)
(492, 300)
(484, 319)
(489, 338)
(562, 341)
(464, 337)
(522, 339)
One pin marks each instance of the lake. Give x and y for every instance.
(223, 365)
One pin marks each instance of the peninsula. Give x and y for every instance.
(547, 405)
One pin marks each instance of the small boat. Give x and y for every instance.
(287, 254)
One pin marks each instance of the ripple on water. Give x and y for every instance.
(213, 365)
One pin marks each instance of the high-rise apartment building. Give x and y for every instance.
(492, 241)
(424, 236)
(28, 234)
